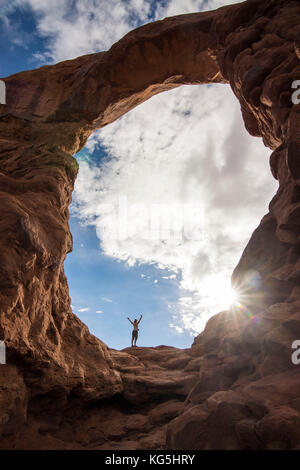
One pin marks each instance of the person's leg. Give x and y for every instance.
(135, 338)
(132, 338)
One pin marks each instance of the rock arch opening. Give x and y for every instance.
(161, 187)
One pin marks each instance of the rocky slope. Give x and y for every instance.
(236, 387)
(155, 383)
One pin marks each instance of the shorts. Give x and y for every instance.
(134, 334)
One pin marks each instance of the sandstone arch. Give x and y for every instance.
(50, 113)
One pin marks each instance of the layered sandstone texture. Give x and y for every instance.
(236, 387)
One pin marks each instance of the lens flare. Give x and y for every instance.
(253, 279)
(246, 294)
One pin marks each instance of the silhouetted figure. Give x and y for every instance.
(135, 324)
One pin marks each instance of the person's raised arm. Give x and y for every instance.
(129, 320)
(140, 319)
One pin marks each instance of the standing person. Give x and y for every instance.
(135, 330)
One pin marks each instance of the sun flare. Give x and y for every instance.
(218, 288)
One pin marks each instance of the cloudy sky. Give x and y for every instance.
(166, 197)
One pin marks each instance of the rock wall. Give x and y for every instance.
(236, 388)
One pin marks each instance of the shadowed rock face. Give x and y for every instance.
(236, 387)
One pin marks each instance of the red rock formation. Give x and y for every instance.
(155, 383)
(236, 388)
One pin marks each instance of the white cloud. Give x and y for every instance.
(85, 309)
(106, 299)
(171, 277)
(85, 26)
(177, 328)
(155, 281)
(99, 311)
(179, 7)
(74, 28)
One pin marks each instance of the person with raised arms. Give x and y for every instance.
(135, 330)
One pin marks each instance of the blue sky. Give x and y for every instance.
(185, 149)
(100, 283)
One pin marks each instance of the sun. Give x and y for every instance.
(218, 288)
(232, 296)
(226, 294)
